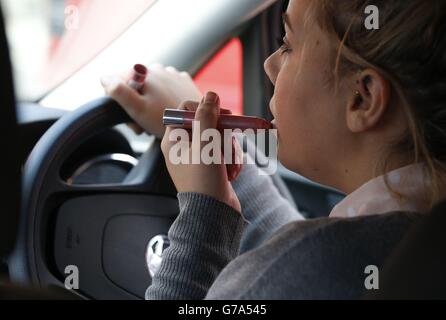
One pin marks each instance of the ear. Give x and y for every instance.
(369, 101)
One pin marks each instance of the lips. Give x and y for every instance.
(271, 106)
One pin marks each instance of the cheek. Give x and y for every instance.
(306, 118)
(298, 138)
(294, 102)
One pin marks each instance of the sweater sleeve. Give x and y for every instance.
(204, 238)
(263, 207)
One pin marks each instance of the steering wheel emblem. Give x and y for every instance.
(154, 252)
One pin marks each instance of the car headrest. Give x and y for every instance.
(10, 166)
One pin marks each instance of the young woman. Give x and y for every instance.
(360, 110)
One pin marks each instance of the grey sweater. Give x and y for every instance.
(269, 252)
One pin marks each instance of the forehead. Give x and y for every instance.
(298, 13)
(312, 45)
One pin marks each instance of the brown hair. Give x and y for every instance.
(409, 50)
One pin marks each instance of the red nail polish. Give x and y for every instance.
(211, 97)
(138, 77)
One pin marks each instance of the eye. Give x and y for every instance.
(283, 46)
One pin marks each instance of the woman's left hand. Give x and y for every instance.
(211, 180)
(164, 87)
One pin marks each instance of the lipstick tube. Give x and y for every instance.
(183, 119)
(138, 77)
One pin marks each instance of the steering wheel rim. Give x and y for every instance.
(44, 192)
(45, 195)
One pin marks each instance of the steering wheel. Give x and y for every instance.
(99, 233)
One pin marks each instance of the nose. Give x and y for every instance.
(270, 68)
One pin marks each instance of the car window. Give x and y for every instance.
(63, 36)
(224, 74)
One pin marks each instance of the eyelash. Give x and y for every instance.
(284, 48)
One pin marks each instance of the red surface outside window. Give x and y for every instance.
(223, 74)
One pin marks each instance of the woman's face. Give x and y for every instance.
(310, 118)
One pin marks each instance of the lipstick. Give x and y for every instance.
(138, 77)
(183, 119)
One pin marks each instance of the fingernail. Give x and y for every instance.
(211, 97)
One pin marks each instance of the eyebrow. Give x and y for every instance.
(286, 21)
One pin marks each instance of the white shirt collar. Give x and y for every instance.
(413, 194)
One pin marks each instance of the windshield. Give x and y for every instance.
(63, 36)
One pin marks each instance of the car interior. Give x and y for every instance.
(75, 190)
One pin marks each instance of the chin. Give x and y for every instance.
(292, 163)
(287, 160)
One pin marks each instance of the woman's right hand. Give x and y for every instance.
(164, 87)
(212, 179)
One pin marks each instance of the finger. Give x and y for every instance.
(228, 152)
(208, 111)
(193, 106)
(171, 69)
(233, 171)
(185, 74)
(127, 97)
(233, 157)
(225, 111)
(168, 140)
(189, 105)
(238, 159)
(165, 142)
